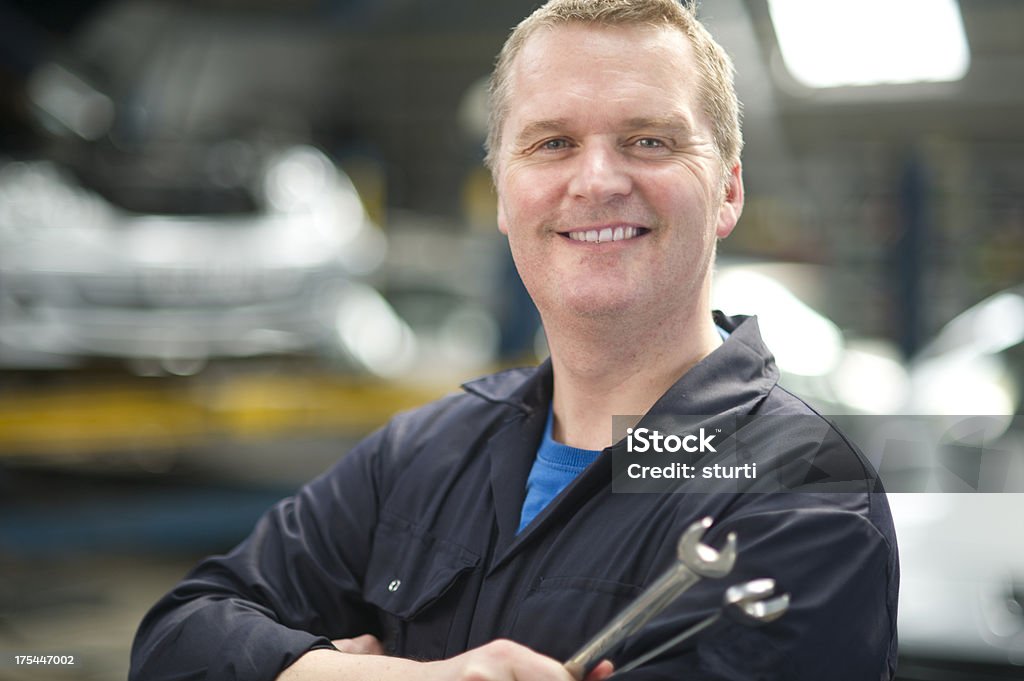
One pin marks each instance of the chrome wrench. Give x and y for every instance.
(694, 561)
(749, 603)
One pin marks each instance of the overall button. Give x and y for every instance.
(393, 586)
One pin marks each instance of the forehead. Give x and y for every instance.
(577, 65)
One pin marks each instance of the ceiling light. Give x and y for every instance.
(830, 43)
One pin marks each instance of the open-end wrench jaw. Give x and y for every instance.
(749, 603)
(752, 603)
(702, 559)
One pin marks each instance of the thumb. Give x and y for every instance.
(367, 644)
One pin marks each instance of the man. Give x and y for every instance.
(479, 537)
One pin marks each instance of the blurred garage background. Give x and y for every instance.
(236, 235)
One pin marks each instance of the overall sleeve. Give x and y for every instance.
(291, 586)
(841, 575)
(820, 526)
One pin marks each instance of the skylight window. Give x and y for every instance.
(831, 43)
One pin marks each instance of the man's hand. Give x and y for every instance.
(362, 657)
(507, 661)
(367, 644)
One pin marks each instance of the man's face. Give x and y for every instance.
(609, 185)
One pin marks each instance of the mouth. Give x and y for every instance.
(605, 234)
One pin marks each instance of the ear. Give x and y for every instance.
(732, 203)
(502, 219)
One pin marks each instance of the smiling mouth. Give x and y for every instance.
(606, 234)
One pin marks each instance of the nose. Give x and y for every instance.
(600, 174)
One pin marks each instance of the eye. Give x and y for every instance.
(650, 143)
(557, 144)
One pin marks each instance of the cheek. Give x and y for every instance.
(521, 213)
(530, 189)
(693, 204)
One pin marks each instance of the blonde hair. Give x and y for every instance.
(716, 91)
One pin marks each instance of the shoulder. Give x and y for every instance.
(805, 450)
(457, 424)
(817, 465)
(481, 401)
(787, 420)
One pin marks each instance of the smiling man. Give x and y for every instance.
(613, 193)
(483, 536)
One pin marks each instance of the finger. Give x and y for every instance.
(602, 671)
(367, 644)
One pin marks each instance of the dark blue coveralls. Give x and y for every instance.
(412, 537)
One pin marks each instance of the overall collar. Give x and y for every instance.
(731, 381)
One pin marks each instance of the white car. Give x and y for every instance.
(962, 552)
(81, 277)
(176, 210)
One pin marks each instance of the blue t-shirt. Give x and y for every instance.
(554, 468)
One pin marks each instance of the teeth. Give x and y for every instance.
(606, 234)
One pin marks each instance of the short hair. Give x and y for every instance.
(716, 91)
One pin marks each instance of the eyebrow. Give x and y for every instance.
(670, 122)
(538, 129)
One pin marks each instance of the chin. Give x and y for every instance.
(599, 307)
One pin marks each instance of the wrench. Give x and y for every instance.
(694, 560)
(747, 603)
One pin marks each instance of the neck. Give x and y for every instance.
(600, 371)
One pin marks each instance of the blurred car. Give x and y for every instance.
(962, 599)
(179, 212)
(80, 276)
(975, 365)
